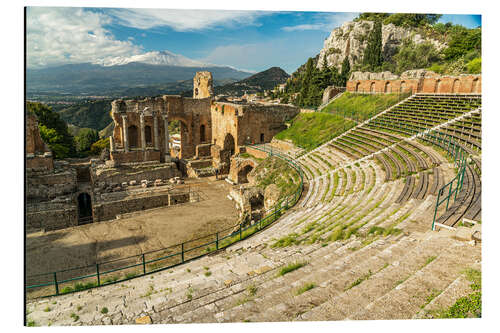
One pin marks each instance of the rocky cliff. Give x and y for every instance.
(351, 39)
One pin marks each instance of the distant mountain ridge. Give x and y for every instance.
(164, 57)
(265, 80)
(93, 79)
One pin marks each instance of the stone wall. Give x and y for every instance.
(416, 81)
(52, 219)
(109, 210)
(203, 85)
(330, 92)
(234, 125)
(49, 186)
(256, 152)
(138, 173)
(146, 123)
(38, 154)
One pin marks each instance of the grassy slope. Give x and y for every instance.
(360, 106)
(309, 130)
(275, 170)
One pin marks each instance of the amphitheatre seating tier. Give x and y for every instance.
(361, 230)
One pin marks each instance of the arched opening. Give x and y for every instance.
(402, 87)
(229, 144)
(474, 85)
(456, 86)
(202, 133)
(132, 136)
(243, 173)
(372, 87)
(386, 87)
(261, 137)
(437, 86)
(84, 208)
(357, 86)
(147, 134)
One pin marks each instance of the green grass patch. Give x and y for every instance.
(304, 288)
(359, 280)
(362, 106)
(286, 241)
(310, 130)
(291, 267)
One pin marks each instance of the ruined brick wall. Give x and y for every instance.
(38, 155)
(52, 219)
(429, 83)
(111, 176)
(256, 153)
(109, 210)
(49, 186)
(193, 115)
(240, 168)
(203, 85)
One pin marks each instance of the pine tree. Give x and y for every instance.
(346, 70)
(373, 53)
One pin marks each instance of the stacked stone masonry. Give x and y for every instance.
(413, 81)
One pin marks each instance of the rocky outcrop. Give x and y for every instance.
(351, 40)
(408, 75)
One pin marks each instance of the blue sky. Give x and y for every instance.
(251, 40)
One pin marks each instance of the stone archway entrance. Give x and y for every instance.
(242, 174)
(84, 208)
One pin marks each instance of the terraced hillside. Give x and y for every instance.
(359, 244)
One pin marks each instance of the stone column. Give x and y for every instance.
(125, 133)
(155, 125)
(143, 133)
(111, 143)
(167, 139)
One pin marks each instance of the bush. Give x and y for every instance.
(53, 130)
(85, 138)
(474, 66)
(98, 146)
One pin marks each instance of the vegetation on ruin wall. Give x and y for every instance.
(360, 106)
(309, 130)
(273, 170)
(53, 130)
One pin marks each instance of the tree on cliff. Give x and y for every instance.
(346, 70)
(373, 54)
(53, 130)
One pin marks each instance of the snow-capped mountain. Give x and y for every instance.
(165, 57)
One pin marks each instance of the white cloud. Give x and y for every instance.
(182, 19)
(71, 35)
(302, 27)
(322, 21)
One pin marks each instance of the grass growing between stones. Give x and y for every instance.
(467, 306)
(304, 288)
(291, 267)
(310, 130)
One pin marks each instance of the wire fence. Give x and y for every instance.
(104, 273)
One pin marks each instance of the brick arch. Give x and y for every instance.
(386, 87)
(357, 86)
(402, 86)
(455, 88)
(372, 87)
(437, 85)
(475, 83)
(240, 169)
